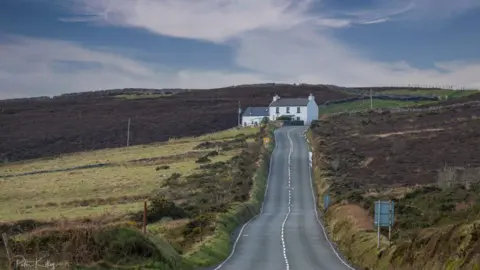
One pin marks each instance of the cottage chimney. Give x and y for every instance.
(275, 98)
(311, 97)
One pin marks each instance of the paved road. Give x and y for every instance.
(287, 234)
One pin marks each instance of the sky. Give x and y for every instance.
(49, 47)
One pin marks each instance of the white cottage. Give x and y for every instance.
(254, 115)
(300, 109)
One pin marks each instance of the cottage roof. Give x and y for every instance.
(256, 111)
(289, 102)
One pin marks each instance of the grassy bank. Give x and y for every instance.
(218, 247)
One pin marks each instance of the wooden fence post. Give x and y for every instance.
(145, 217)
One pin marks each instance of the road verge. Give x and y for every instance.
(219, 246)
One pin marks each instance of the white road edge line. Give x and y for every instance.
(318, 219)
(261, 208)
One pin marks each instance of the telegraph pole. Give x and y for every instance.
(371, 99)
(239, 114)
(128, 133)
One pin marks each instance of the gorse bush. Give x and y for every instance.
(163, 167)
(203, 159)
(160, 207)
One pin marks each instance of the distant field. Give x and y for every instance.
(431, 92)
(141, 96)
(360, 105)
(54, 188)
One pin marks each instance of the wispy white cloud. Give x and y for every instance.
(439, 9)
(28, 68)
(384, 11)
(321, 59)
(212, 20)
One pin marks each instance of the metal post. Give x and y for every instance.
(5, 242)
(128, 133)
(371, 99)
(239, 114)
(390, 219)
(378, 225)
(145, 217)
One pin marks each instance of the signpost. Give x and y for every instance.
(326, 202)
(384, 217)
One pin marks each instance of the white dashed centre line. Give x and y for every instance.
(289, 199)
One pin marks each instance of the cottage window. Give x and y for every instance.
(298, 109)
(288, 109)
(278, 110)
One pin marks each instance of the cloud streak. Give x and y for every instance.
(29, 67)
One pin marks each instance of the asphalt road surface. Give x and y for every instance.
(287, 233)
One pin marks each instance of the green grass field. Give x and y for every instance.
(141, 96)
(431, 92)
(129, 175)
(360, 105)
(197, 189)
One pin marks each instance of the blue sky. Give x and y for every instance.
(48, 47)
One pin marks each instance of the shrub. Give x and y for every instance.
(163, 167)
(212, 154)
(161, 207)
(198, 225)
(172, 180)
(213, 166)
(203, 159)
(284, 118)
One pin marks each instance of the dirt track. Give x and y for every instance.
(32, 129)
(400, 149)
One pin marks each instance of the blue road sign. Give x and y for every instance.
(384, 213)
(326, 201)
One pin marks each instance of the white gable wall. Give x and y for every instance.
(312, 112)
(251, 120)
(293, 111)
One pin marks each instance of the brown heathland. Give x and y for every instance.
(425, 160)
(91, 121)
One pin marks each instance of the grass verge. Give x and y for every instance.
(218, 247)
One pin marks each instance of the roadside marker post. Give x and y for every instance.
(384, 217)
(326, 202)
(144, 217)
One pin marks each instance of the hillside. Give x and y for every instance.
(87, 207)
(425, 159)
(42, 127)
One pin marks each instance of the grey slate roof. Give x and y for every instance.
(256, 111)
(289, 102)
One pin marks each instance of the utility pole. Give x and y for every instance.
(239, 114)
(371, 99)
(128, 133)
